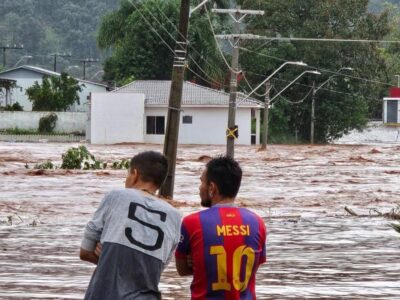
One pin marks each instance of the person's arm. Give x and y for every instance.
(183, 259)
(183, 266)
(89, 256)
(93, 231)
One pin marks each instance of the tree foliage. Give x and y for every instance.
(343, 103)
(50, 26)
(141, 35)
(56, 93)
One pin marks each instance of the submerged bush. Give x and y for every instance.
(80, 158)
(48, 122)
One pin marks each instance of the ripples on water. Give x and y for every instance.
(330, 258)
(323, 256)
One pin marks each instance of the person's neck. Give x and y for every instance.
(223, 200)
(146, 187)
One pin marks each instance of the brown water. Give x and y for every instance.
(315, 250)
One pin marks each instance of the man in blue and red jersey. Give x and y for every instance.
(222, 246)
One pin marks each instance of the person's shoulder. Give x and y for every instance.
(171, 209)
(120, 192)
(192, 217)
(247, 211)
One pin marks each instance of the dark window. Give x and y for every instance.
(155, 125)
(392, 109)
(187, 119)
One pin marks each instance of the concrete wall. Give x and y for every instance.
(67, 121)
(116, 118)
(26, 78)
(208, 125)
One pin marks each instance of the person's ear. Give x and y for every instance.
(212, 189)
(135, 176)
(132, 178)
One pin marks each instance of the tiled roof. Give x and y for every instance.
(157, 93)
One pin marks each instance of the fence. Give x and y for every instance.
(67, 121)
(58, 138)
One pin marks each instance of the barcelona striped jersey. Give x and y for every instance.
(227, 245)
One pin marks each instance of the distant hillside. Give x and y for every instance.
(378, 5)
(48, 26)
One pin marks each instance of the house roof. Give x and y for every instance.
(46, 72)
(157, 93)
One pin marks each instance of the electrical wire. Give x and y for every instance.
(191, 47)
(173, 38)
(320, 69)
(216, 42)
(292, 102)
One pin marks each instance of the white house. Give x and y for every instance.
(138, 112)
(25, 77)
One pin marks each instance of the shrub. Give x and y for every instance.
(123, 164)
(45, 166)
(79, 158)
(48, 122)
(15, 107)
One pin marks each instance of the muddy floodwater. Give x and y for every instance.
(315, 249)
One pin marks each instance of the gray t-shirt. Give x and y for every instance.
(138, 234)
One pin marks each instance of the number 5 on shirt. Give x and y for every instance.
(222, 283)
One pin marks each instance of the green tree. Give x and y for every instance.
(138, 33)
(336, 112)
(56, 93)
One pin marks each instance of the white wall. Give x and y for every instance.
(208, 127)
(116, 118)
(83, 96)
(67, 121)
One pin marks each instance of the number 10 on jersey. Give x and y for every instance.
(238, 254)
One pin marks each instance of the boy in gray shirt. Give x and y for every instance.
(138, 233)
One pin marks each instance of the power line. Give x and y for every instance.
(324, 89)
(173, 38)
(216, 41)
(289, 39)
(293, 102)
(190, 46)
(318, 68)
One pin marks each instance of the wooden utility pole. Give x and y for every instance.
(237, 15)
(8, 47)
(266, 116)
(314, 91)
(85, 61)
(55, 59)
(175, 100)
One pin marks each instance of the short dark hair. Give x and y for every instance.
(152, 167)
(226, 173)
